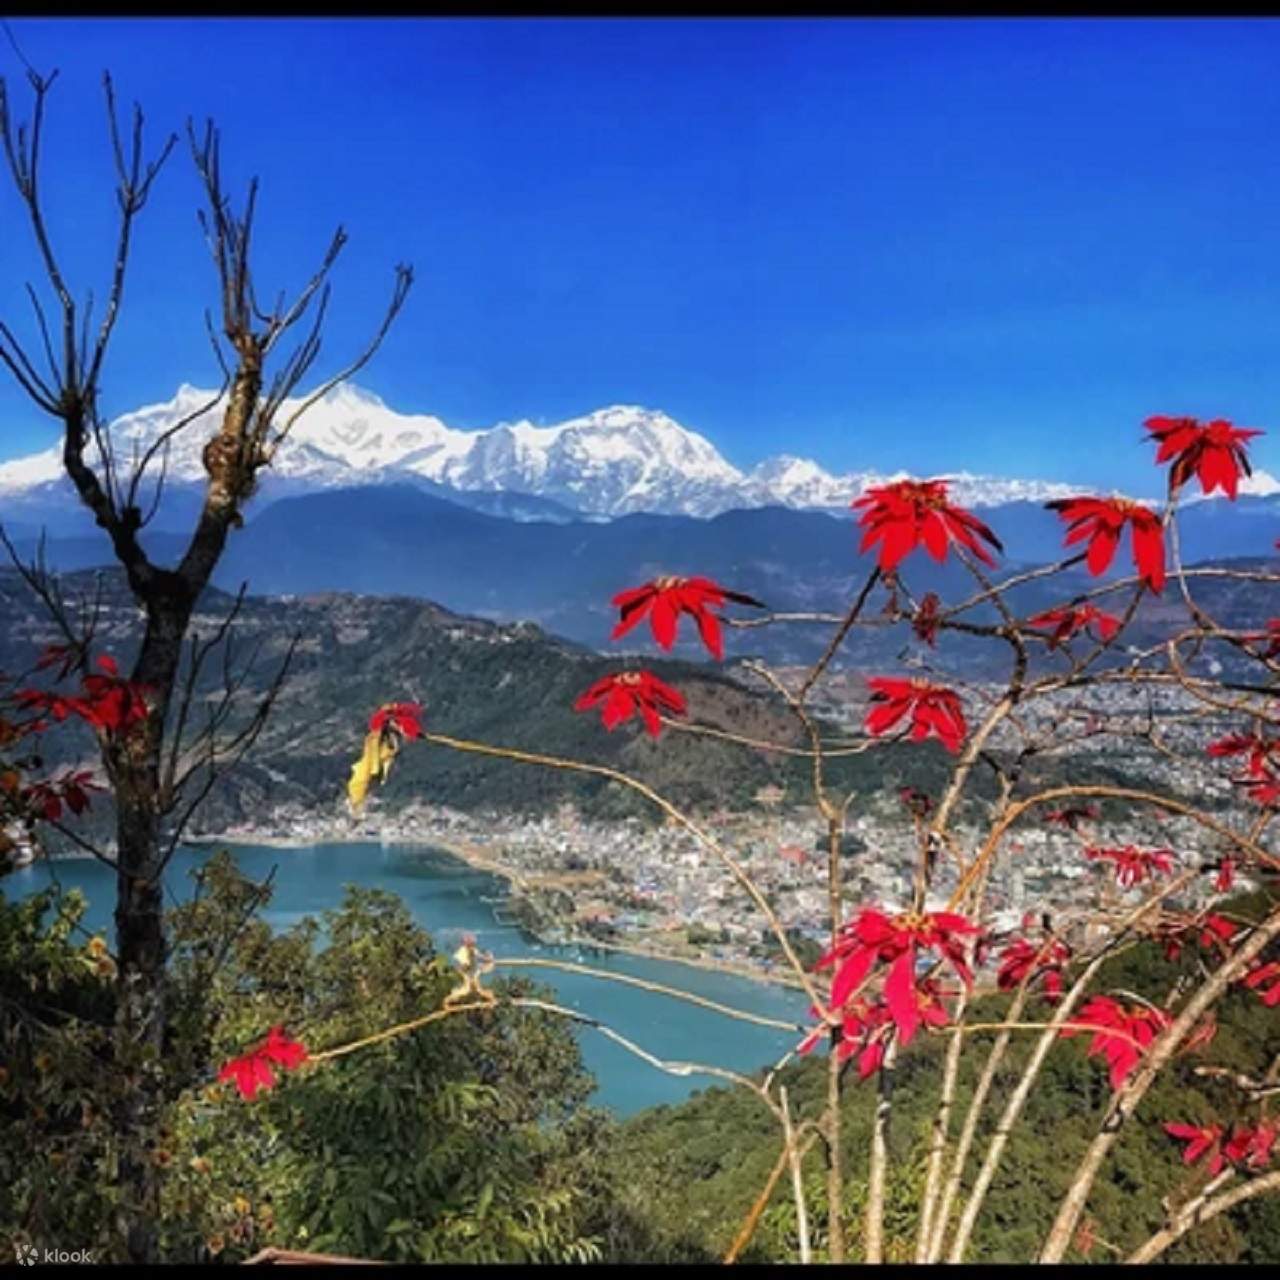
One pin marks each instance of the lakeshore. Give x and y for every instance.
(479, 859)
(449, 897)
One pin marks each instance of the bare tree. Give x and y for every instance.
(155, 775)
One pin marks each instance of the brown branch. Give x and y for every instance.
(1126, 1099)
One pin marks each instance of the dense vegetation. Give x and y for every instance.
(694, 1170)
(470, 1140)
(512, 685)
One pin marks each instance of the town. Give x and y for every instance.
(660, 890)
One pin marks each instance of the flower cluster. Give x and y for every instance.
(1070, 620)
(623, 694)
(1133, 865)
(1102, 521)
(911, 513)
(1122, 1033)
(872, 938)
(252, 1071)
(1213, 452)
(665, 599)
(933, 710)
(1247, 1148)
(1025, 961)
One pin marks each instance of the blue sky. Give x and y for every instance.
(929, 244)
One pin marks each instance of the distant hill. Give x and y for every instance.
(396, 539)
(509, 685)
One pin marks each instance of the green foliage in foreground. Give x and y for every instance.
(467, 1141)
(470, 1140)
(695, 1169)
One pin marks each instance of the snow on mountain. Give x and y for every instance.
(610, 462)
(1262, 484)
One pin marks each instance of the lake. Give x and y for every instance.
(449, 898)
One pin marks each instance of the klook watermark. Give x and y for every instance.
(29, 1255)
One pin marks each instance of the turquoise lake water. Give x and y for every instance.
(449, 898)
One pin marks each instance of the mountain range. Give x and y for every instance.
(366, 500)
(612, 462)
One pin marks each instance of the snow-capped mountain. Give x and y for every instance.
(611, 462)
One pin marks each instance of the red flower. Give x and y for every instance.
(1226, 877)
(1257, 748)
(903, 515)
(665, 599)
(1102, 521)
(1134, 865)
(402, 717)
(1265, 790)
(627, 692)
(933, 709)
(1073, 815)
(872, 936)
(863, 1030)
(1270, 637)
(1214, 452)
(1121, 1034)
(1021, 957)
(1066, 621)
(1200, 1141)
(1251, 1147)
(1262, 975)
(252, 1071)
(1214, 933)
(925, 622)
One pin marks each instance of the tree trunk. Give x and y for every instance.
(133, 763)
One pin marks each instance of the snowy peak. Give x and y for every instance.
(612, 461)
(796, 482)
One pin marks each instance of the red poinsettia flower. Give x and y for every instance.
(872, 936)
(1265, 790)
(865, 1026)
(925, 621)
(1268, 976)
(1212, 932)
(909, 513)
(1251, 1147)
(1065, 622)
(1121, 1033)
(934, 709)
(252, 1071)
(1270, 637)
(1201, 1140)
(1022, 957)
(1214, 452)
(1102, 521)
(627, 692)
(666, 598)
(1226, 877)
(1257, 748)
(1072, 815)
(403, 717)
(1134, 865)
